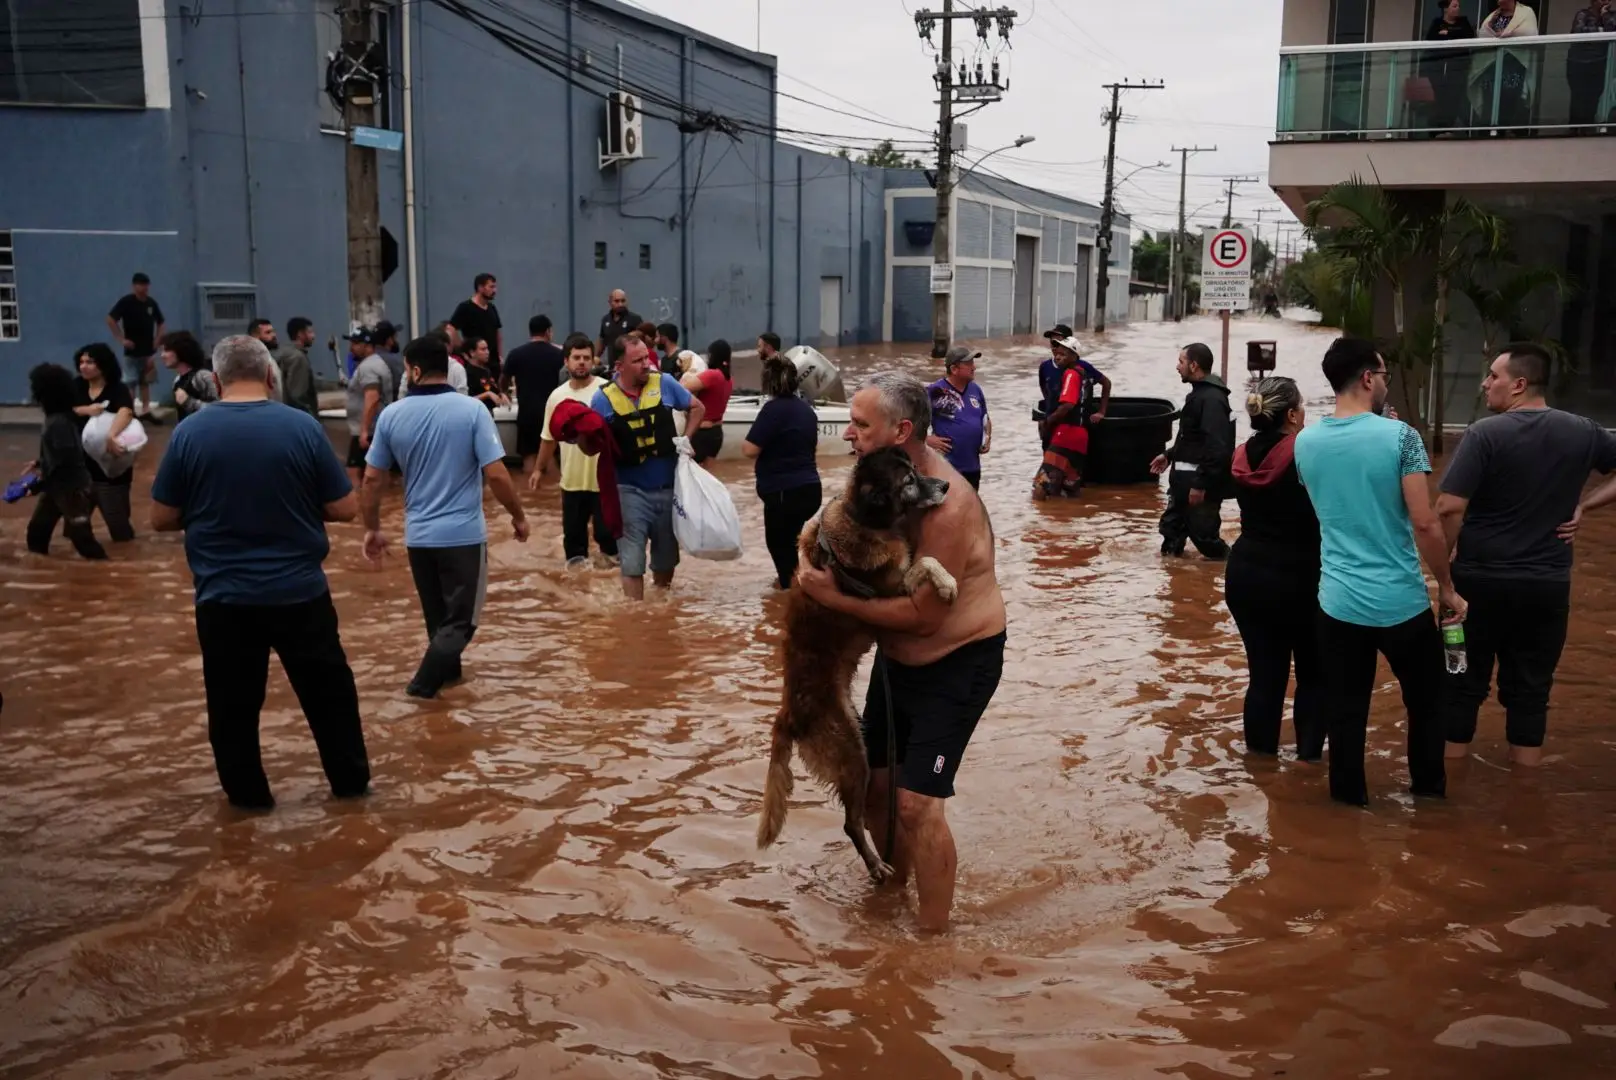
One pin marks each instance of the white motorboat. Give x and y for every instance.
(819, 376)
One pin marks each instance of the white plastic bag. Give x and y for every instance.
(132, 438)
(704, 519)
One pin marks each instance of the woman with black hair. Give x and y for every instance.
(783, 441)
(100, 389)
(480, 381)
(712, 388)
(65, 492)
(194, 383)
(1272, 582)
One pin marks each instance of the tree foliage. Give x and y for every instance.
(886, 156)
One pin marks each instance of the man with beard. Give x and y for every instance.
(297, 369)
(639, 404)
(1509, 504)
(1365, 474)
(617, 321)
(1199, 458)
(479, 318)
(937, 663)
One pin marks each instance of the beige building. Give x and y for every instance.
(1525, 127)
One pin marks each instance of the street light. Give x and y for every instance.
(1018, 144)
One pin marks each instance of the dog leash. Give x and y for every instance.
(854, 587)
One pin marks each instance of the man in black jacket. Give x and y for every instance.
(1199, 460)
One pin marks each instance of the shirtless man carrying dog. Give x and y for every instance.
(942, 661)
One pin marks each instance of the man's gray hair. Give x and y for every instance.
(904, 397)
(241, 359)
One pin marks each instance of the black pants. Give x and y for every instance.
(1414, 651)
(1276, 609)
(1181, 521)
(578, 510)
(1587, 82)
(706, 442)
(236, 640)
(451, 583)
(784, 515)
(72, 509)
(1521, 624)
(974, 478)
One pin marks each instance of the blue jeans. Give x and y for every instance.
(647, 516)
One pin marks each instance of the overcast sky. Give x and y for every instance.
(1220, 63)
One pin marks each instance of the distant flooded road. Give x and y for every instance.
(556, 875)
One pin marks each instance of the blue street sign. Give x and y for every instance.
(378, 138)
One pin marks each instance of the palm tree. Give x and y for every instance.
(1383, 243)
(1501, 298)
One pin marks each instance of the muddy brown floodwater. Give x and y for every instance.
(556, 874)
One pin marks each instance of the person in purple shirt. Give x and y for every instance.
(960, 428)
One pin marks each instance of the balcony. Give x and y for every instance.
(1522, 113)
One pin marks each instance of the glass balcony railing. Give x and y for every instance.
(1554, 85)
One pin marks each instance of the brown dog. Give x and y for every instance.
(862, 537)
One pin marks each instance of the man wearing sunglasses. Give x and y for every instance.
(1365, 473)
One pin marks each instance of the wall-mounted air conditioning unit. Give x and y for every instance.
(625, 129)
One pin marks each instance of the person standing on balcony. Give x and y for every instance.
(1445, 68)
(1510, 19)
(1585, 64)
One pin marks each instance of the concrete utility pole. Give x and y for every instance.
(1176, 277)
(982, 91)
(1108, 208)
(360, 87)
(1231, 181)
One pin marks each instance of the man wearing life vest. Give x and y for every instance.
(638, 406)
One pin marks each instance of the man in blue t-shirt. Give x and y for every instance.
(1365, 474)
(638, 405)
(252, 483)
(961, 430)
(446, 445)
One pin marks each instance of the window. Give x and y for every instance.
(645, 256)
(10, 327)
(84, 53)
(600, 255)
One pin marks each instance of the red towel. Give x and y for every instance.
(576, 423)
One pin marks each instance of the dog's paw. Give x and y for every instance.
(947, 588)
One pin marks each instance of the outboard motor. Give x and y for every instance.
(817, 378)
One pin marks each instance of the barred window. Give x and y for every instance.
(86, 52)
(10, 324)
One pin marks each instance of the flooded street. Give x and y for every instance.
(556, 875)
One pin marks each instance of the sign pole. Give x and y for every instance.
(1224, 374)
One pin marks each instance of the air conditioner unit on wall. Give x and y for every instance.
(625, 129)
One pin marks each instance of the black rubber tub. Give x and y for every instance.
(1122, 445)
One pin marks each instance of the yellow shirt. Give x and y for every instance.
(577, 467)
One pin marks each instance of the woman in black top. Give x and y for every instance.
(480, 381)
(1272, 581)
(783, 441)
(194, 382)
(65, 494)
(98, 389)
(1448, 69)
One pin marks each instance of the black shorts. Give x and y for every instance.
(937, 706)
(356, 453)
(707, 441)
(529, 432)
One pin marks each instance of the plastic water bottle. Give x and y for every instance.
(1453, 646)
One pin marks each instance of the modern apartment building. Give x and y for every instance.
(1524, 127)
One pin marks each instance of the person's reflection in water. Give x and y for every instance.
(1273, 579)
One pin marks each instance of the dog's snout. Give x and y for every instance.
(932, 491)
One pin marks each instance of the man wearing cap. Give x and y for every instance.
(961, 428)
(369, 388)
(1051, 377)
(1065, 430)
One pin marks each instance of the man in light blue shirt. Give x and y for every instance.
(446, 445)
(638, 405)
(1366, 473)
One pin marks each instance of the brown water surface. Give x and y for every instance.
(556, 875)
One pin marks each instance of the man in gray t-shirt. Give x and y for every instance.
(1509, 501)
(369, 388)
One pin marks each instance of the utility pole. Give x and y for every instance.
(1108, 207)
(1228, 213)
(360, 84)
(981, 91)
(1176, 277)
